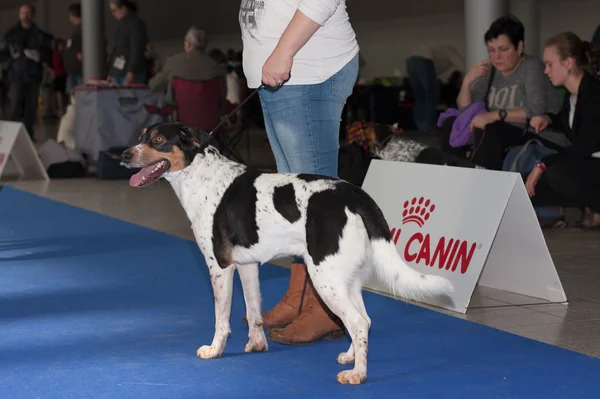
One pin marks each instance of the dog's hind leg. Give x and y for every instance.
(257, 341)
(222, 284)
(357, 300)
(333, 286)
(337, 277)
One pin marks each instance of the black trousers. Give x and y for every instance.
(489, 145)
(570, 183)
(23, 98)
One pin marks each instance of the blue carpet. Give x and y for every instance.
(93, 307)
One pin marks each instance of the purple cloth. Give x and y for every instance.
(449, 113)
(461, 133)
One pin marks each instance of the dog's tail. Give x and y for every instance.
(401, 279)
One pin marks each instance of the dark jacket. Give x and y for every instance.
(74, 46)
(12, 55)
(130, 42)
(585, 133)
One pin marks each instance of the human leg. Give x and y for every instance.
(415, 76)
(432, 90)
(303, 126)
(30, 100)
(572, 183)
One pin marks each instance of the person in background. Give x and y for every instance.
(127, 61)
(307, 52)
(27, 50)
(519, 91)
(59, 83)
(571, 176)
(424, 68)
(73, 55)
(191, 64)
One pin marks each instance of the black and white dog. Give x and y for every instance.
(242, 217)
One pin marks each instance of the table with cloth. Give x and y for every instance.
(113, 116)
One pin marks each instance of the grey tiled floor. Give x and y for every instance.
(575, 326)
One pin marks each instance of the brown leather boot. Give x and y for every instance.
(290, 305)
(316, 322)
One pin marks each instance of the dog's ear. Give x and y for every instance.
(198, 138)
(188, 136)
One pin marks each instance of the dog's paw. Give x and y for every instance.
(207, 352)
(257, 346)
(351, 377)
(344, 358)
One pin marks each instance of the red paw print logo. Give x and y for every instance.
(417, 210)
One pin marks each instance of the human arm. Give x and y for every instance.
(276, 69)
(46, 52)
(474, 84)
(586, 137)
(308, 18)
(516, 115)
(555, 121)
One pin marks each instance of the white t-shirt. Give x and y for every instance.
(262, 23)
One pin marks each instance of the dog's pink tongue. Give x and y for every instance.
(140, 177)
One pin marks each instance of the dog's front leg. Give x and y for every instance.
(222, 284)
(257, 341)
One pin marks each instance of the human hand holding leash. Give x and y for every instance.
(277, 69)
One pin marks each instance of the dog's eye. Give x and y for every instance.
(158, 139)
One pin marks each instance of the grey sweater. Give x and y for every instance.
(526, 87)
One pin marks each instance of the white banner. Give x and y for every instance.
(472, 226)
(17, 150)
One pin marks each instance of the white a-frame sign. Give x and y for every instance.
(472, 226)
(18, 157)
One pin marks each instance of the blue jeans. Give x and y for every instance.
(303, 122)
(423, 79)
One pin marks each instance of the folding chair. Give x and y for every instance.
(202, 104)
(198, 104)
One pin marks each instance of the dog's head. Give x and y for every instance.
(164, 148)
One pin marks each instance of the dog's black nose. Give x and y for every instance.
(126, 156)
